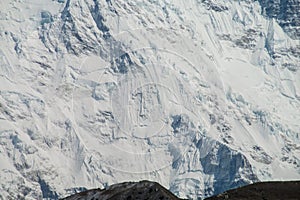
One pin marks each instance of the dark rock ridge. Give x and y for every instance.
(288, 190)
(286, 12)
(264, 190)
(127, 191)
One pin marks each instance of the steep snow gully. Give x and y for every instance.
(198, 95)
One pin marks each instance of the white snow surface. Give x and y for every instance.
(96, 92)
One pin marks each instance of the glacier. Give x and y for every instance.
(198, 95)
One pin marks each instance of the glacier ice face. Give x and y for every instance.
(200, 96)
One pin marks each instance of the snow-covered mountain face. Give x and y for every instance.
(200, 96)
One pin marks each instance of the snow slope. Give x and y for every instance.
(200, 96)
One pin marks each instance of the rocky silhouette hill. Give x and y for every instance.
(127, 191)
(288, 190)
(264, 190)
